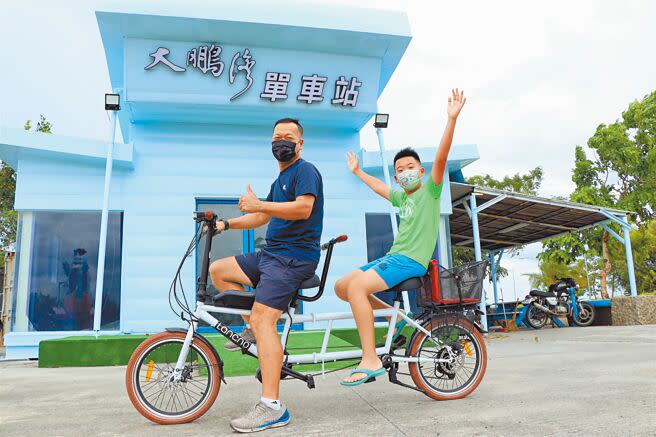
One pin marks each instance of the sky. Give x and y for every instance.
(539, 78)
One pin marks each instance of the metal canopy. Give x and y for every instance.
(507, 219)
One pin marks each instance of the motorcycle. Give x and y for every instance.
(559, 301)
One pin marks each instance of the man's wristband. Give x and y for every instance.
(226, 224)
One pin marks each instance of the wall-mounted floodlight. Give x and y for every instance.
(380, 120)
(112, 102)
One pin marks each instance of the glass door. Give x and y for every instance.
(227, 244)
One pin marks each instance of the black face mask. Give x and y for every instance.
(283, 150)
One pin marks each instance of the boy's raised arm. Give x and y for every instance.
(378, 186)
(456, 102)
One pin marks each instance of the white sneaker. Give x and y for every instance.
(261, 417)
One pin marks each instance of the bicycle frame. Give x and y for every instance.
(203, 312)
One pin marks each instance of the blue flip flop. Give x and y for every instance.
(399, 326)
(370, 375)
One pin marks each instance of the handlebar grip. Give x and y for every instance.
(341, 238)
(204, 216)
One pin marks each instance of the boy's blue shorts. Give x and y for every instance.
(395, 268)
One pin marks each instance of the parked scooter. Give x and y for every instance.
(559, 301)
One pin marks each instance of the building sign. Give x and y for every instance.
(207, 60)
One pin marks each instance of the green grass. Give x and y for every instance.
(115, 350)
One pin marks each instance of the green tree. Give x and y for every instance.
(621, 173)
(528, 183)
(8, 216)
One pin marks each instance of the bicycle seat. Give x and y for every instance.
(538, 293)
(243, 300)
(313, 282)
(408, 284)
(236, 299)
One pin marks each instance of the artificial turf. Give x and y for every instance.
(115, 350)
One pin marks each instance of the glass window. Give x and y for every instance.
(379, 234)
(58, 283)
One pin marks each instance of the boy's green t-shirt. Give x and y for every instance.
(420, 221)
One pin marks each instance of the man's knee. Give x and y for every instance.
(263, 317)
(217, 270)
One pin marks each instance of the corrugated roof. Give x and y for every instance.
(517, 219)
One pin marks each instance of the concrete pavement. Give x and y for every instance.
(575, 381)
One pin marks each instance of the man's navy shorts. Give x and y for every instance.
(275, 277)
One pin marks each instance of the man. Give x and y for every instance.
(419, 210)
(294, 211)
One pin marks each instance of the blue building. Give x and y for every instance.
(201, 85)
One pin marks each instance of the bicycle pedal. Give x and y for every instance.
(370, 380)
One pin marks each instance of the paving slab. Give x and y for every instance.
(596, 381)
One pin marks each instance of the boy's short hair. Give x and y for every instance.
(290, 120)
(403, 153)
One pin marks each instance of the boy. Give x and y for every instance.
(419, 210)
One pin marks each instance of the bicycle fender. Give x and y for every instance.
(199, 337)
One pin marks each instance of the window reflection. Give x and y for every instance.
(63, 269)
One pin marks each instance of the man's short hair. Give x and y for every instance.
(290, 120)
(408, 151)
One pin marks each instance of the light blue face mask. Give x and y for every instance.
(408, 179)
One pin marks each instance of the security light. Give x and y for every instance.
(112, 102)
(380, 120)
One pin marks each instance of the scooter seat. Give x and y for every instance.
(243, 300)
(538, 293)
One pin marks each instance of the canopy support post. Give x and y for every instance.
(494, 267)
(629, 256)
(626, 227)
(477, 253)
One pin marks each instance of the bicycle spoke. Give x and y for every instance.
(453, 343)
(163, 393)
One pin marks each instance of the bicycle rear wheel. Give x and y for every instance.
(153, 391)
(457, 378)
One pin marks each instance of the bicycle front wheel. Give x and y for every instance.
(154, 391)
(461, 349)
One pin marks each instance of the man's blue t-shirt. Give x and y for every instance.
(297, 238)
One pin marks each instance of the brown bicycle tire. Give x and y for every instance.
(158, 418)
(421, 383)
